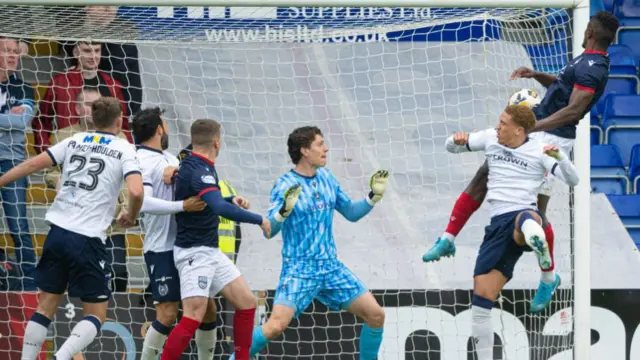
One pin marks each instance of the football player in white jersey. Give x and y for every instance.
(150, 131)
(74, 256)
(517, 167)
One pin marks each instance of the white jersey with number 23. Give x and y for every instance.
(94, 165)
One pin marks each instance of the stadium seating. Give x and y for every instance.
(634, 168)
(628, 11)
(628, 209)
(608, 174)
(622, 60)
(596, 129)
(621, 122)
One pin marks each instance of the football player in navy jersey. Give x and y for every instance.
(570, 96)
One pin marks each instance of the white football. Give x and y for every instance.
(526, 97)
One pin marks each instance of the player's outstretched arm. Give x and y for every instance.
(155, 206)
(568, 115)
(543, 78)
(221, 207)
(465, 142)
(559, 165)
(354, 211)
(37, 163)
(282, 205)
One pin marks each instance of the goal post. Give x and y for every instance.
(386, 81)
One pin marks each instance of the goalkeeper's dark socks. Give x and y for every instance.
(370, 340)
(34, 335)
(243, 332)
(464, 207)
(549, 276)
(179, 338)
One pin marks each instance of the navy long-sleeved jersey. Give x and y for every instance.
(197, 176)
(588, 72)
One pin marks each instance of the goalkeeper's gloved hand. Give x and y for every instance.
(290, 200)
(378, 185)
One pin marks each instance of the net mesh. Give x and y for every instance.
(386, 86)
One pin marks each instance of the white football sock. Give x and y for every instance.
(206, 343)
(81, 336)
(34, 336)
(448, 236)
(548, 277)
(153, 341)
(482, 332)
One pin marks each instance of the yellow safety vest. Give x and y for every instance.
(227, 228)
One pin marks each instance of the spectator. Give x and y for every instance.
(116, 241)
(16, 113)
(120, 60)
(56, 109)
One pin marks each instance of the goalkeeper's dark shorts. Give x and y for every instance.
(74, 262)
(498, 250)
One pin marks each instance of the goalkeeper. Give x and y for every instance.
(310, 265)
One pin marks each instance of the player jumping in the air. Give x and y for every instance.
(569, 97)
(74, 256)
(204, 270)
(517, 167)
(310, 267)
(150, 131)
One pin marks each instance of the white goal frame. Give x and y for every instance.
(582, 192)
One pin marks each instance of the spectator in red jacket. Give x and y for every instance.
(56, 108)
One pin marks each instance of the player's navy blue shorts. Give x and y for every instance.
(165, 281)
(75, 262)
(498, 250)
(330, 281)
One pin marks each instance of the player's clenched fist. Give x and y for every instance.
(168, 174)
(461, 138)
(553, 151)
(241, 202)
(522, 72)
(378, 185)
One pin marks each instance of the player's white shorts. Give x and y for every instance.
(565, 145)
(204, 271)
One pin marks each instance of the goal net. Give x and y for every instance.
(386, 86)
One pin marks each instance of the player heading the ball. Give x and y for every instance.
(302, 206)
(517, 167)
(569, 97)
(74, 257)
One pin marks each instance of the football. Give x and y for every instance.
(526, 97)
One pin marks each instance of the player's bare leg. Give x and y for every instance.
(367, 308)
(468, 202)
(158, 331)
(85, 331)
(240, 296)
(486, 288)
(36, 331)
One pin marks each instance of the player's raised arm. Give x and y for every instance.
(525, 73)
(465, 142)
(559, 165)
(53, 156)
(354, 211)
(283, 200)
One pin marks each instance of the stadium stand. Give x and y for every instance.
(615, 121)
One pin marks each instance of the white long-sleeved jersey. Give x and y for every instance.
(515, 175)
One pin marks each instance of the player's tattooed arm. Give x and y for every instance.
(570, 114)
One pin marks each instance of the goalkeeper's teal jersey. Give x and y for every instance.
(308, 232)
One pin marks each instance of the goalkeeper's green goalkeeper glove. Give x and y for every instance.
(378, 185)
(290, 200)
